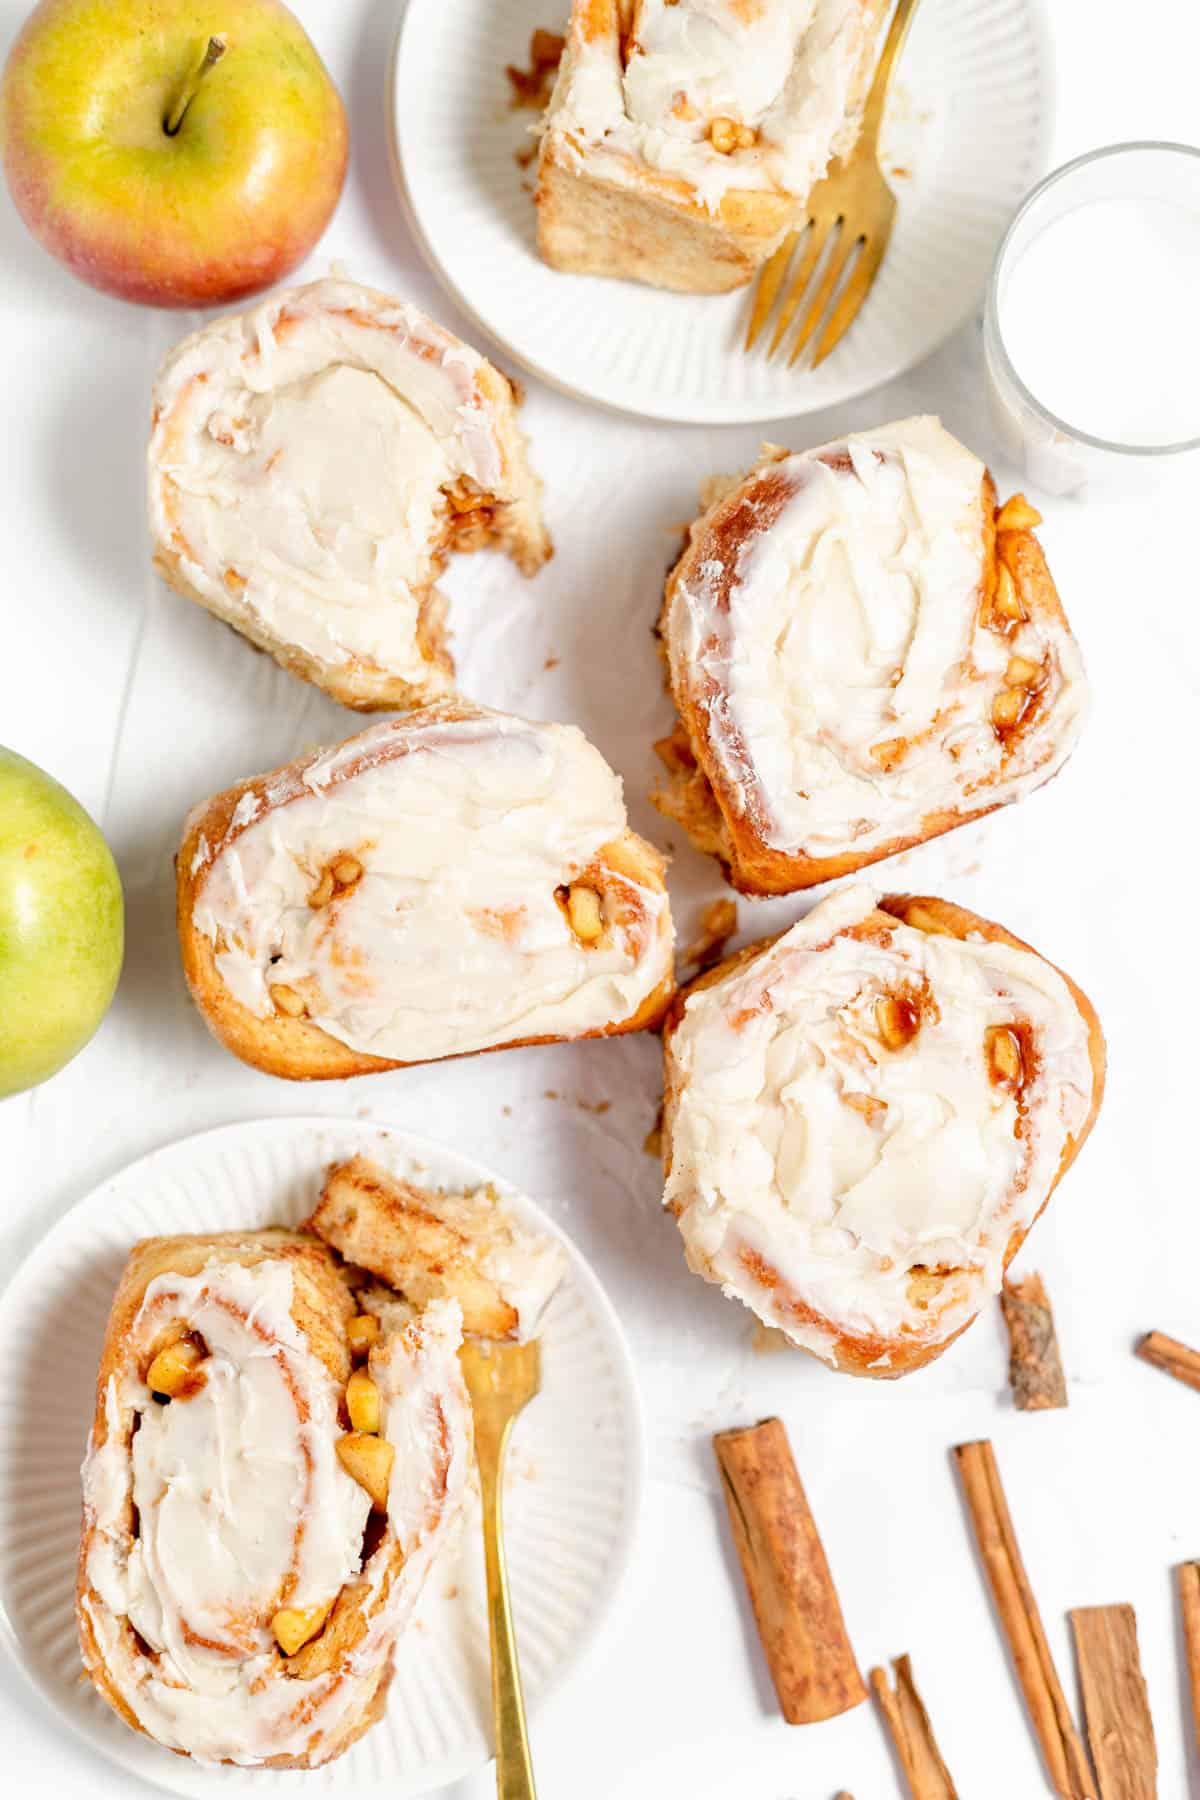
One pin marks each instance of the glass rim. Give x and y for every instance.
(1031, 200)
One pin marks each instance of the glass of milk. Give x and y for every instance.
(1092, 325)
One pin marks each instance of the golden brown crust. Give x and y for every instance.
(863, 1354)
(297, 1049)
(657, 231)
(397, 1231)
(322, 1305)
(699, 794)
(587, 225)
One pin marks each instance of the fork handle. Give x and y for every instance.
(514, 1770)
(893, 44)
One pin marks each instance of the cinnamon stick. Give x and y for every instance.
(1188, 1577)
(1120, 1730)
(1062, 1748)
(911, 1733)
(1035, 1371)
(791, 1590)
(1169, 1354)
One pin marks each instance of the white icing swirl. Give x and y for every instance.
(810, 1163)
(455, 938)
(783, 67)
(847, 676)
(242, 1507)
(297, 464)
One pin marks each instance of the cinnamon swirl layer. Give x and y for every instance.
(864, 651)
(234, 1602)
(312, 465)
(428, 1244)
(865, 1116)
(453, 881)
(683, 136)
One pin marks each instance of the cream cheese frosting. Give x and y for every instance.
(525, 1266)
(811, 1164)
(849, 676)
(241, 1506)
(298, 464)
(455, 939)
(784, 68)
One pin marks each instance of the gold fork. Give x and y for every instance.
(501, 1380)
(854, 206)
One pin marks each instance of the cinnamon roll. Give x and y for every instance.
(247, 1563)
(314, 462)
(431, 1245)
(865, 1116)
(452, 881)
(683, 137)
(864, 651)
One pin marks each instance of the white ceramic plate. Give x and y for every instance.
(575, 1463)
(964, 140)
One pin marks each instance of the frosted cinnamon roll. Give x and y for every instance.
(456, 880)
(864, 651)
(429, 1244)
(247, 1563)
(314, 462)
(683, 136)
(865, 1116)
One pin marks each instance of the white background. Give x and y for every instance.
(142, 704)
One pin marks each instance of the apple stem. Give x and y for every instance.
(214, 51)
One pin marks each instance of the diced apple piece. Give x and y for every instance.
(362, 1402)
(175, 1371)
(362, 1331)
(295, 1625)
(369, 1460)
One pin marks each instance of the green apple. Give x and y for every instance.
(62, 929)
(176, 152)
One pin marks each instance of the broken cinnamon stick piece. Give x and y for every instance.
(911, 1733)
(1188, 1577)
(1168, 1353)
(791, 1590)
(1120, 1730)
(1062, 1748)
(1035, 1371)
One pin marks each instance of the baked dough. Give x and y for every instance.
(683, 137)
(452, 881)
(865, 1116)
(432, 1245)
(864, 651)
(312, 465)
(212, 1517)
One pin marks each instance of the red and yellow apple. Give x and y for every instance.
(61, 925)
(175, 152)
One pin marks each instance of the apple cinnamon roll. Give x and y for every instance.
(864, 650)
(683, 137)
(314, 462)
(452, 881)
(247, 1561)
(428, 1245)
(865, 1116)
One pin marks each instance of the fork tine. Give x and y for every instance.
(769, 283)
(834, 269)
(818, 234)
(851, 298)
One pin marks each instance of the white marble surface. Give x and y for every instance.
(142, 704)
